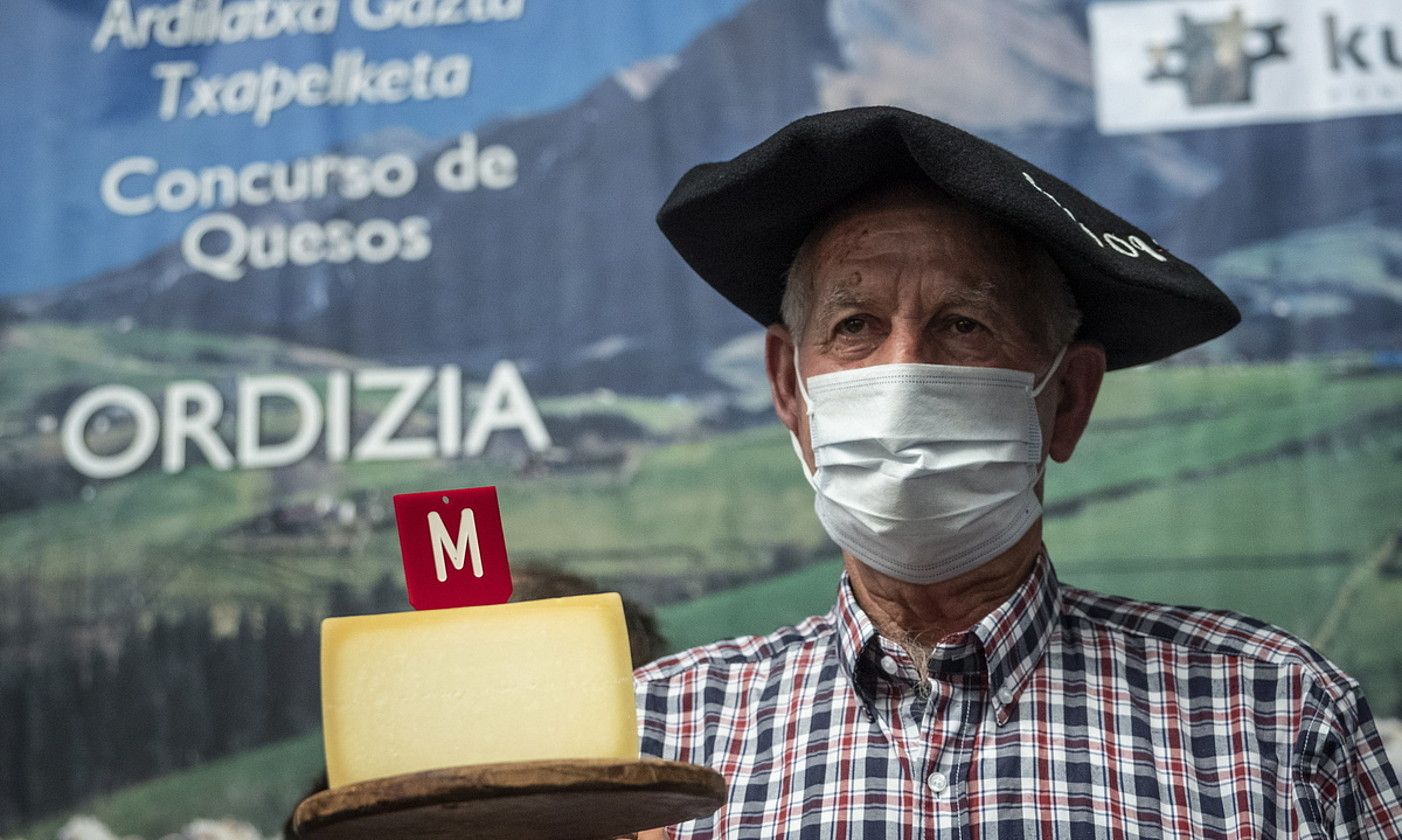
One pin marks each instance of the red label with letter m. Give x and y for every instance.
(453, 547)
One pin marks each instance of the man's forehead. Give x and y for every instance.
(905, 229)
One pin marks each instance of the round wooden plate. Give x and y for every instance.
(559, 800)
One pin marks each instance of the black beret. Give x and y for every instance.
(738, 223)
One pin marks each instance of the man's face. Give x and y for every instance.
(908, 278)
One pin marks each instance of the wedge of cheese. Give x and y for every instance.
(548, 679)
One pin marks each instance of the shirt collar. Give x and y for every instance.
(1011, 638)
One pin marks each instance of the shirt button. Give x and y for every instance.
(1005, 696)
(938, 782)
(888, 665)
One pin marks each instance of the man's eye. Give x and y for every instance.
(964, 326)
(851, 326)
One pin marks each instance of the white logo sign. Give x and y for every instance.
(1200, 63)
(456, 549)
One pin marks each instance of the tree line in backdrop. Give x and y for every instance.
(84, 722)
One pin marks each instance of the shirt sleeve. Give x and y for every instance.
(1347, 787)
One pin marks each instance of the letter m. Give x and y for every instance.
(456, 548)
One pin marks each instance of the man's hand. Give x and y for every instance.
(650, 834)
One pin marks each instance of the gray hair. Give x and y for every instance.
(1044, 299)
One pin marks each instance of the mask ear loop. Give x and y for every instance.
(1060, 354)
(808, 407)
(1037, 389)
(798, 375)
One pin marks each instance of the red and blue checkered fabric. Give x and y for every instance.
(1063, 714)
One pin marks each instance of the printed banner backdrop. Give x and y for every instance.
(265, 263)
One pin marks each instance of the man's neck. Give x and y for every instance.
(922, 614)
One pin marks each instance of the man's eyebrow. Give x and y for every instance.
(979, 294)
(837, 299)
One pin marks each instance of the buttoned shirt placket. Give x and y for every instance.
(936, 726)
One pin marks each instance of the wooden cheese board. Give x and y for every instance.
(586, 799)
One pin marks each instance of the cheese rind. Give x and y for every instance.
(411, 691)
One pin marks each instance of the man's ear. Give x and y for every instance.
(779, 367)
(1078, 384)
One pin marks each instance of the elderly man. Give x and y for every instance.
(940, 314)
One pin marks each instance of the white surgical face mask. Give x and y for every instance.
(924, 472)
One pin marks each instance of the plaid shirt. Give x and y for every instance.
(1062, 714)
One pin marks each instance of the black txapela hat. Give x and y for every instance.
(738, 224)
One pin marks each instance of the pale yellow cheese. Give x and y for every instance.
(411, 691)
